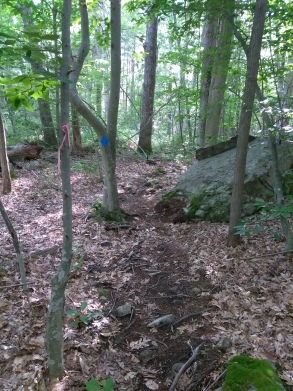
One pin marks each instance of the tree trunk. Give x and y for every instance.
(4, 164)
(253, 57)
(44, 107)
(12, 120)
(287, 231)
(77, 143)
(16, 245)
(218, 81)
(279, 196)
(107, 135)
(148, 93)
(110, 193)
(209, 41)
(54, 332)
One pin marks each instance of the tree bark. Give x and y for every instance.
(50, 138)
(16, 246)
(77, 142)
(208, 43)
(220, 68)
(107, 135)
(4, 164)
(148, 93)
(54, 332)
(44, 106)
(253, 57)
(110, 193)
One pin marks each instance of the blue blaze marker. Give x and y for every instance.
(104, 141)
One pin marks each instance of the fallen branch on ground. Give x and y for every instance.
(185, 367)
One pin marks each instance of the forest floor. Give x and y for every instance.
(231, 301)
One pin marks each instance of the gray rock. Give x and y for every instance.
(224, 344)
(162, 321)
(146, 354)
(105, 243)
(124, 310)
(209, 182)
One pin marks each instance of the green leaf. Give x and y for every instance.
(93, 385)
(83, 305)
(51, 37)
(94, 315)
(33, 34)
(84, 319)
(9, 42)
(108, 384)
(27, 105)
(16, 103)
(73, 324)
(71, 313)
(5, 35)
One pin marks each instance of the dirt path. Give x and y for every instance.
(153, 266)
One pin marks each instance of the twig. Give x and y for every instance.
(16, 245)
(186, 317)
(115, 300)
(185, 367)
(216, 381)
(269, 254)
(12, 286)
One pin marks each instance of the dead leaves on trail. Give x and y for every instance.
(160, 267)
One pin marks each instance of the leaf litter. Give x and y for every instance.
(161, 267)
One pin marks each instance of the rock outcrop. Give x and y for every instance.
(207, 184)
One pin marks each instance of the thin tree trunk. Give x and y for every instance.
(44, 106)
(16, 246)
(47, 122)
(279, 196)
(77, 142)
(149, 83)
(253, 57)
(209, 42)
(4, 163)
(107, 135)
(54, 335)
(218, 81)
(110, 193)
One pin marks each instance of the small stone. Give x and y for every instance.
(162, 321)
(105, 243)
(124, 310)
(176, 367)
(145, 355)
(224, 344)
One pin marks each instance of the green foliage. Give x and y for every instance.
(98, 211)
(194, 204)
(79, 316)
(85, 167)
(267, 211)
(80, 258)
(158, 171)
(245, 373)
(106, 385)
(287, 182)
(171, 194)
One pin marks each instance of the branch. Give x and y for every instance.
(185, 367)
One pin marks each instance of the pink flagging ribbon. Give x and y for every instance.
(65, 129)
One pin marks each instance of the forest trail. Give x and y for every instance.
(153, 267)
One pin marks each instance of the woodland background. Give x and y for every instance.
(140, 84)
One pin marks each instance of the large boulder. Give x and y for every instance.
(207, 184)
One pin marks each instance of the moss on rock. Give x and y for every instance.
(194, 205)
(249, 374)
